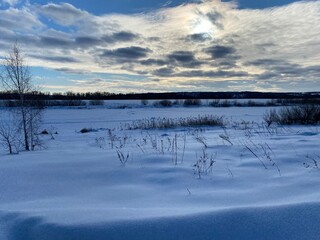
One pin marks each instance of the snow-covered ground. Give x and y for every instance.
(263, 183)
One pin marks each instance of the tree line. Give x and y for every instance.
(38, 95)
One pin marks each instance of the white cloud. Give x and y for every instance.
(9, 2)
(64, 13)
(208, 39)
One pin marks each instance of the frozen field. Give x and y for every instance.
(243, 181)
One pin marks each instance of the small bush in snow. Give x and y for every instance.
(214, 103)
(225, 103)
(192, 102)
(303, 114)
(204, 164)
(96, 102)
(165, 123)
(271, 117)
(86, 130)
(144, 102)
(163, 103)
(252, 103)
(313, 161)
(50, 131)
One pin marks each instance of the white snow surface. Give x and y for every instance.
(264, 183)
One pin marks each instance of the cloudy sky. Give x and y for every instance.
(161, 45)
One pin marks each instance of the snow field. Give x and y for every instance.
(263, 183)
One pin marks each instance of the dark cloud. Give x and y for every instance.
(9, 24)
(6, 35)
(169, 72)
(62, 59)
(314, 69)
(85, 40)
(119, 37)
(267, 75)
(213, 74)
(124, 36)
(220, 51)
(71, 71)
(126, 54)
(227, 64)
(112, 38)
(266, 62)
(215, 17)
(183, 58)
(275, 68)
(55, 41)
(199, 37)
(163, 72)
(93, 81)
(152, 62)
(155, 80)
(142, 72)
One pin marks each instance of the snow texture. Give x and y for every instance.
(264, 183)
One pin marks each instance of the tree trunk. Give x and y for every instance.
(25, 130)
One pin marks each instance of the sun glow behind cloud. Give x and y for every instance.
(203, 26)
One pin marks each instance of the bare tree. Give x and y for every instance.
(16, 77)
(9, 137)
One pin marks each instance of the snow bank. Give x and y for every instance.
(282, 222)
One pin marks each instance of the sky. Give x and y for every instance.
(126, 46)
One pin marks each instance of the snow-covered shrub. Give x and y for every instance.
(252, 103)
(302, 114)
(73, 103)
(225, 103)
(163, 103)
(86, 130)
(164, 123)
(203, 164)
(144, 102)
(65, 103)
(271, 117)
(123, 106)
(214, 103)
(307, 114)
(312, 161)
(50, 131)
(192, 102)
(96, 102)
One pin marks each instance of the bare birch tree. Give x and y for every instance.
(16, 77)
